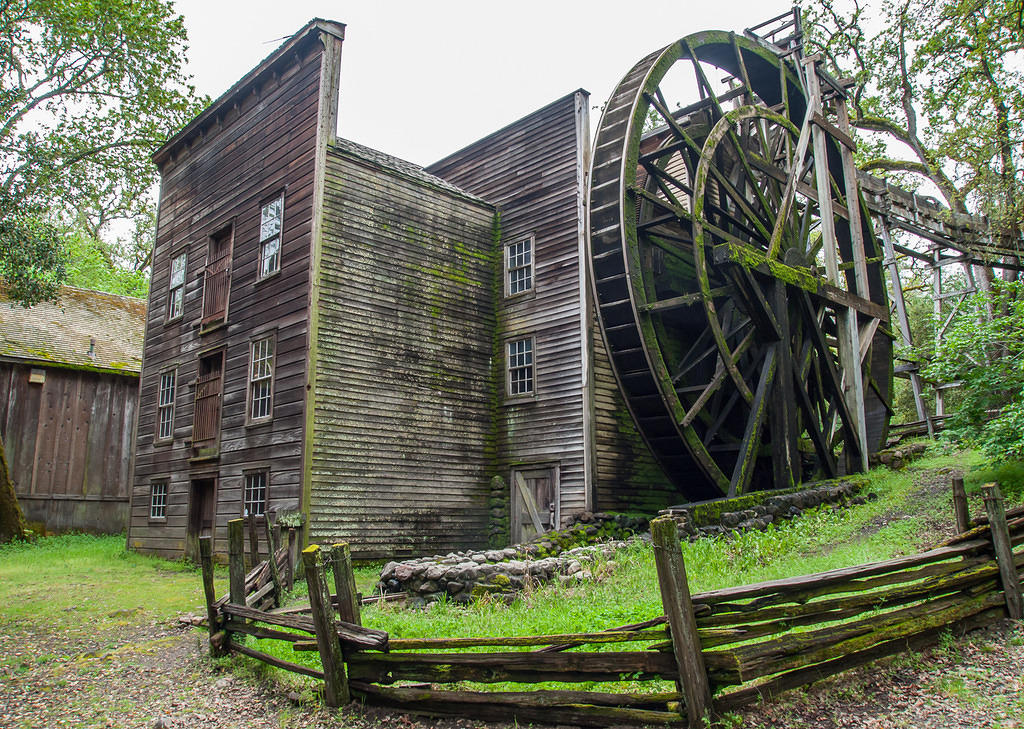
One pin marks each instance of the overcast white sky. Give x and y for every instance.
(420, 80)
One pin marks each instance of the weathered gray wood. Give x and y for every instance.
(963, 518)
(567, 639)
(951, 578)
(273, 542)
(519, 667)
(675, 598)
(274, 661)
(794, 585)
(254, 543)
(802, 676)
(236, 561)
(240, 626)
(293, 556)
(660, 620)
(1008, 575)
(548, 707)
(212, 618)
(255, 598)
(344, 583)
(335, 681)
(295, 622)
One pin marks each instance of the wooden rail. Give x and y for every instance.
(722, 648)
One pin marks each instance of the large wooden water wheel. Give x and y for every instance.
(739, 292)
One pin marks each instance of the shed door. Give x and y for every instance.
(534, 502)
(201, 514)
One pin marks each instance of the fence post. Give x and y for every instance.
(275, 574)
(963, 517)
(293, 557)
(675, 598)
(327, 641)
(345, 583)
(217, 642)
(1003, 549)
(254, 543)
(236, 561)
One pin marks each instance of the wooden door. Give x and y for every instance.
(217, 282)
(534, 502)
(201, 514)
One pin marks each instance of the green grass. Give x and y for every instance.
(88, 582)
(820, 539)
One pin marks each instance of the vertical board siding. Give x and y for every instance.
(404, 344)
(628, 476)
(65, 445)
(529, 170)
(262, 147)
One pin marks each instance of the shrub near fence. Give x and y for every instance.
(741, 643)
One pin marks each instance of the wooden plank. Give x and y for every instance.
(335, 681)
(273, 537)
(274, 660)
(771, 689)
(212, 618)
(346, 599)
(567, 639)
(1008, 576)
(793, 585)
(675, 598)
(239, 626)
(963, 517)
(584, 708)
(295, 622)
(236, 561)
(524, 667)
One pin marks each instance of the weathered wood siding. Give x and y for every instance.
(258, 144)
(532, 170)
(67, 442)
(403, 406)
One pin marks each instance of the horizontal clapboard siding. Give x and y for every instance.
(261, 147)
(530, 170)
(404, 338)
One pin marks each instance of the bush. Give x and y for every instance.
(1009, 476)
(986, 354)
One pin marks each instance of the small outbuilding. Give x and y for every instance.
(69, 380)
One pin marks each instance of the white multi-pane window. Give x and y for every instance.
(520, 366)
(270, 237)
(519, 266)
(158, 500)
(165, 405)
(255, 497)
(176, 292)
(261, 378)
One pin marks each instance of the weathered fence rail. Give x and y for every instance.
(722, 648)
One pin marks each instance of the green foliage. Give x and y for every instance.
(87, 91)
(938, 94)
(1009, 476)
(90, 267)
(33, 259)
(986, 354)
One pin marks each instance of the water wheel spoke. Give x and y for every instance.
(751, 441)
(716, 381)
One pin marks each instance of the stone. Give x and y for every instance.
(404, 572)
(161, 722)
(479, 558)
(454, 587)
(428, 586)
(573, 567)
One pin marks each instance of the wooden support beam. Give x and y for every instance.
(273, 538)
(236, 561)
(963, 517)
(335, 681)
(254, 544)
(675, 598)
(1008, 574)
(345, 583)
(212, 620)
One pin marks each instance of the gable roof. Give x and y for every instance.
(83, 330)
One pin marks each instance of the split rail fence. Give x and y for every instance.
(721, 649)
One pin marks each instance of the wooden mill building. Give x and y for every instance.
(403, 358)
(69, 380)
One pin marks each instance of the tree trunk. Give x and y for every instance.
(12, 522)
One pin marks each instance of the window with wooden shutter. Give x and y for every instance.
(217, 280)
(209, 389)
